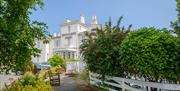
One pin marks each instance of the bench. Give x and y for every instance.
(54, 78)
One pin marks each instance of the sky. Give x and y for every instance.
(139, 13)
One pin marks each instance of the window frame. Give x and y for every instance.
(69, 29)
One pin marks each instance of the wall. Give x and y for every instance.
(44, 55)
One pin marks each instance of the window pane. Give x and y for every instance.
(68, 40)
(57, 43)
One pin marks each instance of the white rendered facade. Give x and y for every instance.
(67, 42)
(44, 55)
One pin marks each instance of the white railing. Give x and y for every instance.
(116, 83)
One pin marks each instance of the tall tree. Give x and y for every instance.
(18, 33)
(176, 29)
(100, 49)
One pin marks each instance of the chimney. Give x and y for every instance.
(82, 19)
(54, 34)
(68, 20)
(94, 20)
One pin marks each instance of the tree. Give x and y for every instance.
(56, 60)
(176, 29)
(149, 53)
(18, 33)
(100, 49)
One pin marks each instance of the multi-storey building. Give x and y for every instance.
(44, 55)
(67, 42)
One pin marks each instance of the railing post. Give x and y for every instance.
(1, 76)
(91, 82)
(90, 78)
(123, 85)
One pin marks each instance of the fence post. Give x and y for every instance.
(1, 76)
(89, 78)
(123, 85)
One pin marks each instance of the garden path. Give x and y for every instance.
(73, 84)
(67, 84)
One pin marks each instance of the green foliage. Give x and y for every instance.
(56, 60)
(84, 75)
(72, 60)
(149, 53)
(43, 74)
(176, 30)
(54, 69)
(29, 82)
(100, 49)
(18, 33)
(28, 67)
(29, 79)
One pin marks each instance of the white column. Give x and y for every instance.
(72, 56)
(66, 55)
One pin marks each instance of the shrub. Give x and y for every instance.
(57, 60)
(84, 75)
(54, 69)
(30, 67)
(149, 53)
(43, 74)
(29, 82)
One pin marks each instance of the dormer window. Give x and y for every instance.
(69, 29)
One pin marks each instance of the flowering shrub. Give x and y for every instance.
(29, 83)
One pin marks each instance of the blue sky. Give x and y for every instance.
(139, 13)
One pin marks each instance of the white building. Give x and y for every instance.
(67, 42)
(44, 55)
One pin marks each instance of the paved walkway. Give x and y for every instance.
(72, 84)
(67, 84)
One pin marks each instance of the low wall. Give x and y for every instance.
(7, 79)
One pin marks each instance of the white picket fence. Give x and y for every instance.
(112, 83)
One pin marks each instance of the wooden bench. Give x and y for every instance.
(54, 78)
